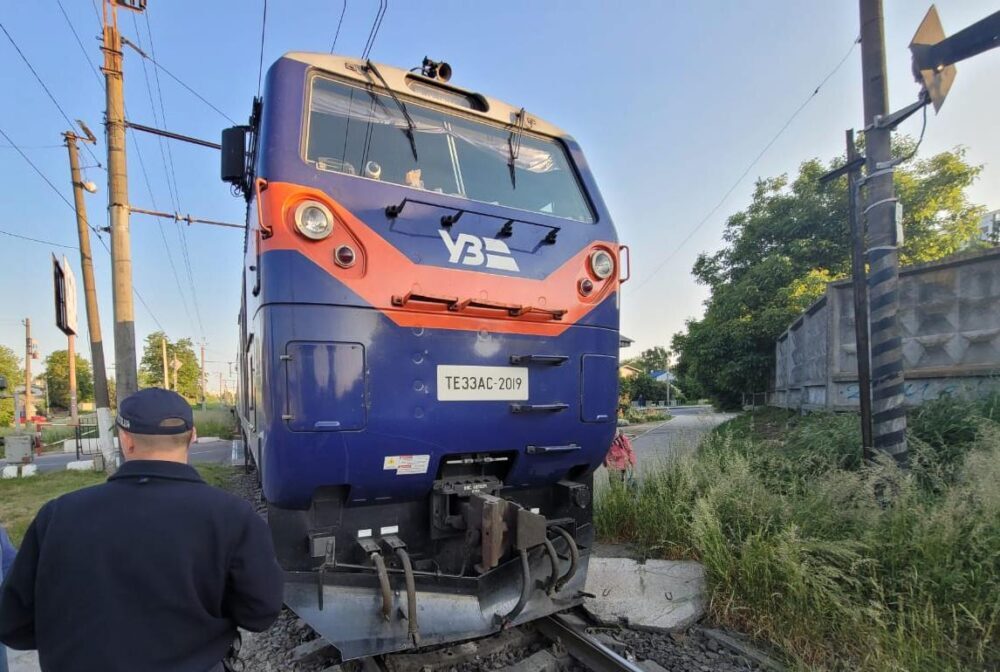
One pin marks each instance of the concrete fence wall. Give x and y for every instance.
(949, 313)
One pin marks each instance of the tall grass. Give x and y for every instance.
(218, 422)
(840, 565)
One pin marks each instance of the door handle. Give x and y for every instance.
(551, 360)
(538, 408)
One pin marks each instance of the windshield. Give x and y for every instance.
(359, 132)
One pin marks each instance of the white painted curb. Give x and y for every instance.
(80, 465)
(9, 471)
(29, 470)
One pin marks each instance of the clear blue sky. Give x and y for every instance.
(669, 100)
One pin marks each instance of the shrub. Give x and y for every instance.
(841, 565)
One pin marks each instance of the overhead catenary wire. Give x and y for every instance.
(343, 10)
(48, 92)
(383, 5)
(260, 64)
(749, 167)
(163, 235)
(172, 176)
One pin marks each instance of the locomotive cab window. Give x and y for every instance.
(359, 132)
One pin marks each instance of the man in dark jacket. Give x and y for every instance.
(152, 571)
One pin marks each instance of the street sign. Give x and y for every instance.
(65, 295)
(936, 80)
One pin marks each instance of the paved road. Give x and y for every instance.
(676, 437)
(207, 452)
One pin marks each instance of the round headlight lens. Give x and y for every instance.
(314, 220)
(344, 256)
(602, 264)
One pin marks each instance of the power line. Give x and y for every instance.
(343, 10)
(260, 65)
(46, 88)
(86, 54)
(37, 240)
(185, 250)
(36, 169)
(383, 5)
(178, 80)
(73, 208)
(163, 235)
(749, 167)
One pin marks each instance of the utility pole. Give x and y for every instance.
(101, 397)
(860, 287)
(203, 388)
(176, 366)
(126, 377)
(883, 254)
(29, 403)
(166, 370)
(220, 388)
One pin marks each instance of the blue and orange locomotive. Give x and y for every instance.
(428, 350)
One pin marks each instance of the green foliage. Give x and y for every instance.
(642, 387)
(656, 358)
(783, 249)
(841, 566)
(57, 379)
(10, 368)
(151, 365)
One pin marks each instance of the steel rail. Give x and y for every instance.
(571, 633)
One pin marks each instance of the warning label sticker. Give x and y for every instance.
(406, 465)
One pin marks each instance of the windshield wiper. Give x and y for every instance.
(514, 145)
(410, 126)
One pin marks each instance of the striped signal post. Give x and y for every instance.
(889, 417)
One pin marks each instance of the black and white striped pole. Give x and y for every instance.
(880, 211)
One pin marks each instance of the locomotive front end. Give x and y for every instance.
(429, 338)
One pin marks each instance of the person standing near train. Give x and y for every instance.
(153, 570)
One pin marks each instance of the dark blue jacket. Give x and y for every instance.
(150, 571)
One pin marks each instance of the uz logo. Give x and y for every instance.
(475, 251)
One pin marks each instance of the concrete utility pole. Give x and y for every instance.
(176, 366)
(166, 369)
(29, 402)
(101, 397)
(859, 286)
(883, 254)
(126, 376)
(203, 388)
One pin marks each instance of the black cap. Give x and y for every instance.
(155, 411)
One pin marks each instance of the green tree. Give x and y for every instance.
(151, 365)
(57, 379)
(10, 368)
(644, 389)
(656, 358)
(782, 250)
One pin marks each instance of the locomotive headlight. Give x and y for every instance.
(314, 220)
(602, 264)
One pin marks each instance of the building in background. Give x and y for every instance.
(989, 227)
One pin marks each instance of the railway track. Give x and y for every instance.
(558, 642)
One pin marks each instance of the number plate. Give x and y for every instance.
(482, 383)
